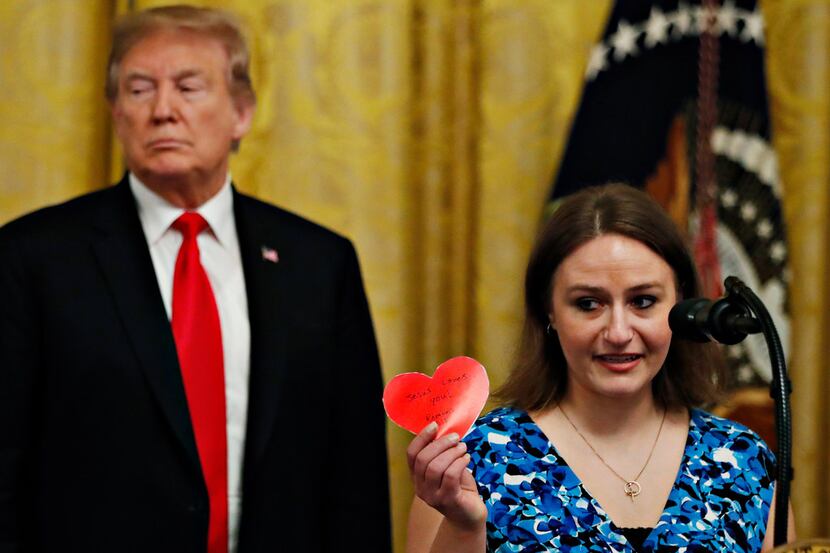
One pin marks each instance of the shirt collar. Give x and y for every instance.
(157, 214)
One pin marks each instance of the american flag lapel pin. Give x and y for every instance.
(269, 254)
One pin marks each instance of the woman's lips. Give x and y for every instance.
(619, 362)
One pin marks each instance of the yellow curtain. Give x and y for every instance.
(54, 136)
(532, 58)
(798, 33)
(428, 132)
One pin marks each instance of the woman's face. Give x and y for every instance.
(610, 307)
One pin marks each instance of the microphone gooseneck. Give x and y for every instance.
(729, 320)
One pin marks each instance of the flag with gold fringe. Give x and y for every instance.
(675, 102)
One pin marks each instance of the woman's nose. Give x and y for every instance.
(618, 330)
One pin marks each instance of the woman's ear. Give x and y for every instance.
(550, 329)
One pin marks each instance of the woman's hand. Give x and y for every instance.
(438, 469)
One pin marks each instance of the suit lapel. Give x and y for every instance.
(125, 261)
(264, 283)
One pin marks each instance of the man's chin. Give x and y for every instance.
(167, 172)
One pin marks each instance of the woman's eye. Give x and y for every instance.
(587, 304)
(644, 302)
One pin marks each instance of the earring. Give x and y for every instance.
(549, 330)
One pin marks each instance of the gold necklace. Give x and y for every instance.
(631, 488)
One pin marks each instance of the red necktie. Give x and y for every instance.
(199, 346)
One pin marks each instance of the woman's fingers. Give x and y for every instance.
(438, 468)
(420, 441)
(439, 473)
(467, 481)
(453, 475)
(435, 471)
(431, 451)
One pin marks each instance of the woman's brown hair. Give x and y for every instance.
(692, 374)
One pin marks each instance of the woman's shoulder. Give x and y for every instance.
(505, 415)
(707, 422)
(726, 439)
(501, 420)
(507, 440)
(499, 427)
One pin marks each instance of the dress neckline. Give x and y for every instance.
(684, 460)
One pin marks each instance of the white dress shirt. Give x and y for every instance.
(220, 256)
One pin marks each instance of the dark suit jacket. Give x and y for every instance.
(96, 448)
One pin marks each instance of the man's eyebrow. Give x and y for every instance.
(138, 76)
(187, 73)
(183, 74)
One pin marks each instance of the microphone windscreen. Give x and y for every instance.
(688, 318)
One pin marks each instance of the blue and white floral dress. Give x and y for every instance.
(719, 502)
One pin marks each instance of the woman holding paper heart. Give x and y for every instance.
(601, 445)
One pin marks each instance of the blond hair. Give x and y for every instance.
(211, 23)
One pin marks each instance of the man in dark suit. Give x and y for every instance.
(182, 367)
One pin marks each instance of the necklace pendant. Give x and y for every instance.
(632, 489)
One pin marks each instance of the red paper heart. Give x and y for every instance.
(453, 397)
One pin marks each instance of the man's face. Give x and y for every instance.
(174, 114)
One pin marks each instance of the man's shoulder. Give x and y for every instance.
(289, 226)
(61, 218)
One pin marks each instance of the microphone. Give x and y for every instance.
(728, 320)
(724, 320)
